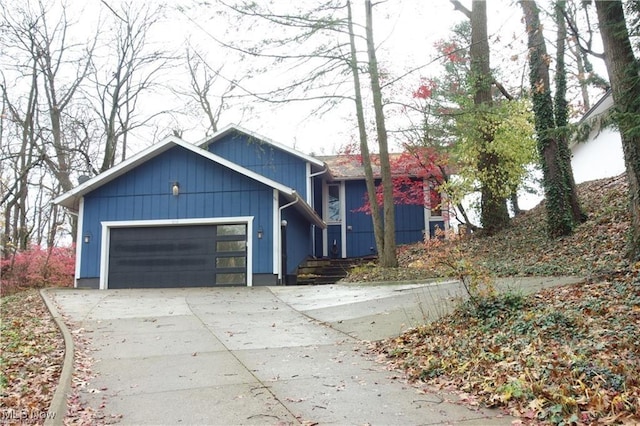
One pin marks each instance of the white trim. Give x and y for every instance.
(325, 231)
(426, 190)
(79, 240)
(275, 226)
(106, 234)
(249, 251)
(343, 219)
(308, 181)
(104, 256)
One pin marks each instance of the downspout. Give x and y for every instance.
(281, 273)
(313, 227)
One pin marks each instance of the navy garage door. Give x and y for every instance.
(178, 256)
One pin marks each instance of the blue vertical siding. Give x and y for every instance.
(298, 238)
(263, 158)
(207, 190)
(409, 223)
(361, 239)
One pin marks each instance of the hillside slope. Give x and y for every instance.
(566, 355)
(596, 248)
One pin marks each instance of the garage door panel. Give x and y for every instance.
(161, 279)
(177, 256)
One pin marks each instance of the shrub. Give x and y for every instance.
(38, 267)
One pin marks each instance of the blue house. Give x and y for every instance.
(239, 209)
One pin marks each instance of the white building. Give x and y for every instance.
(601, 155)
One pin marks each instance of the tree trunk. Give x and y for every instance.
(556, 164)
(388, 258)
(623, 69)
(561, 111)
(494, 214)
(378, 227)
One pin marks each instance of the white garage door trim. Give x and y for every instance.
(106, 238)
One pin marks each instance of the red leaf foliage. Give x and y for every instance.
(410, 170)
(425, 89)
(38, 267)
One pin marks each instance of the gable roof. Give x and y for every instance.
(593, 120)
(350, 167)
(602, 105)
(231, 128)
(71, 199)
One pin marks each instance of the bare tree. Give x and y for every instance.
(387, 253)
(211, 97)
(128, 72)
(332, 57)
(53, 68)
(21, 158)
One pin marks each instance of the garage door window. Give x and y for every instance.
(231, 254)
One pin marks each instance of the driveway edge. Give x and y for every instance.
(58, 406)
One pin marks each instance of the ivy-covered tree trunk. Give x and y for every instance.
(561, 112)
(623, 69)
(552, 148)
(494, 214)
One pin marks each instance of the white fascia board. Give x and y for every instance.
(276, 232)
(79, 241)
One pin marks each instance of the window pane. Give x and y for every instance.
(231, 262)
(333, 208)
(231, 229)
(436, 202)
(230, 278)
(231, 245)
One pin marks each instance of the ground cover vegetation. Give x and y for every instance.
(32, 352)
(566, 355)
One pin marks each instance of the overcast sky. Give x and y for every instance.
(405, 33)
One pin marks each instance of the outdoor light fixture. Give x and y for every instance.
(86, 238)
(260, 233)
(283, 223)
(175, 189)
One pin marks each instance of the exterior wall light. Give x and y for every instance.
(260, 233)
(175, 189)
(86, 238)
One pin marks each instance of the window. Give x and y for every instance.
(333, 203)
(435, 202)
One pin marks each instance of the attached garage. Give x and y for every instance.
(177, 215)
(188, 255)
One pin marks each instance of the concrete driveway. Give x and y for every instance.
(278, 355)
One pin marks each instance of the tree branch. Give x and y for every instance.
(460, 7)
